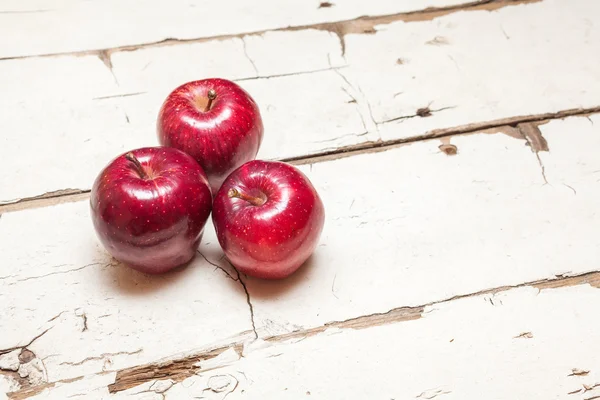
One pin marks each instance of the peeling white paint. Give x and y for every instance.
(10, 361)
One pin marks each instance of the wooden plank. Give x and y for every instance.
(406, 227)
(305, 103)
(52, 129)
(77, 311)
(55, 26)
(413, 224)
(164, 68)
(465, 78)
(521, 343)
(327, 103)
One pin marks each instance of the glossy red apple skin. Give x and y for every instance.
(153, 223)
(272, 240)
(221, 138)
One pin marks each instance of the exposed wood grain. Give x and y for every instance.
(49, 198)
(592, 279)
(534, 137)
(175, 370)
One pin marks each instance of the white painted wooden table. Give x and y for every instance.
(455, 144)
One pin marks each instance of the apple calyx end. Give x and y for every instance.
(138, 166)
(255, 201)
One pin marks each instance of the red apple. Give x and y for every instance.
(149, 208)
(216, 122)
(268, 218)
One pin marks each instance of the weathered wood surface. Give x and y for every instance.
(456, 267)
(406, 228)
(422, 76)
(521, 343)
(413, 224)
(57, 26)
(78, 311)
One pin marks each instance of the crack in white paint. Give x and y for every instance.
(217, 266)
(416, 114)
(248, 56)
(249, 303)
(102, 356)
(286, 74)
(57, 273)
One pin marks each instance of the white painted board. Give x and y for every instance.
(478, 66)
(92, 313)
(528, 344)
(413, 225)
(33, 27)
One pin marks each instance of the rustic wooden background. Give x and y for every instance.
(455, 145)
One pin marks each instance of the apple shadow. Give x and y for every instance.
(265, 288)
(127, 280)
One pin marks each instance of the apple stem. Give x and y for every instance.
(257, 201)
(138, 166)
(211, 96)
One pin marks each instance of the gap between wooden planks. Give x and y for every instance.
(71, 195)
